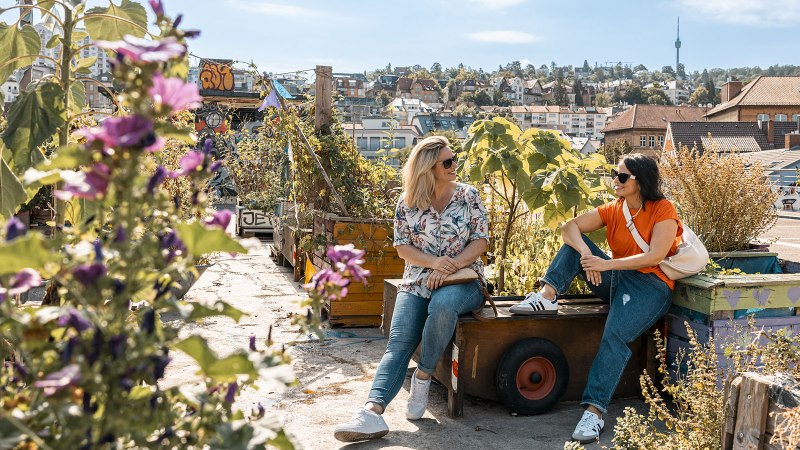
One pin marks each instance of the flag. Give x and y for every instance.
(271, 100)
(281, 90)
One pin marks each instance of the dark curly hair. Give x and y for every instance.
(645, 169)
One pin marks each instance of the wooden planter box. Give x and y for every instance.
(364, 303)
(722, 296)
(252, 221)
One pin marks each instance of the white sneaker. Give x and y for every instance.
(589, 428)
(534, 303)
(364, 425)
(418, 399)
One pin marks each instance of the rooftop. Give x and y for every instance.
(722, 136)
(654, 117)
(765, 91)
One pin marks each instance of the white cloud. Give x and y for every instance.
(503, 37)
(761, 13)
(273, 9)
(496, 4)
(524, 62)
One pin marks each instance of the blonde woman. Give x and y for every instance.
(440, 226)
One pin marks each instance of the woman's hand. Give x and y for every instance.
(435, 279)
(591, 263)
(445, 264)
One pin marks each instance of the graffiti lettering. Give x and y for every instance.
(216, 76)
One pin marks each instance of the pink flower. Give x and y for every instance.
(23, 281)
(60, 379)
(146, 51)
(347, 259)
(191, 162)
(90, 184)
(221, 219)
(158, 7)
(173, 94)
(121, 132)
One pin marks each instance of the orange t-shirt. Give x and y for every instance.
(620, 238)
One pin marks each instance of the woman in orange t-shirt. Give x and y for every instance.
(630, 280)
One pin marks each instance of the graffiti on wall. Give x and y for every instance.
(216, 74)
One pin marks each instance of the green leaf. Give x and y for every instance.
(86, 62)
(168, 130)
(79, 35)
(492, 165)
(200, 240)
(229, 367)
(54, 41)
(15, 43)
(23, 252)
(45, 4)
(70, 156)
(197, 311)
(104, 28)
(12, 193)
(33, 119)
(197, 348)
(77, 97)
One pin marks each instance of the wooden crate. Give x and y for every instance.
(364, 303)
(469, 363)
(724, 333)
(720, 296)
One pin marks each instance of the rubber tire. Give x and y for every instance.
(510, 363)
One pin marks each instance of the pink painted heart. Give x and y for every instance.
(794, 294)
(761, 296)
(732, 297)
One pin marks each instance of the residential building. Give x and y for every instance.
(10, 90)
(404, 109)
(374, 134)
(349, 86)
(762, 99)
(532, 94)
(426, 91)
(644, 127)
(99, 93)
(428, 123)
(355, 109)
(738, 137)
(575, 121)
(474, 86)
(677, 91)
(781, 166)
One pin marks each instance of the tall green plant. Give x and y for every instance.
(532, 171)
(46, 108)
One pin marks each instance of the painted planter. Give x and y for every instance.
(757, 260)
(364, 303)
(186, 283)
(254, 221)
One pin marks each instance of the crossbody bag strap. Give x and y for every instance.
(632, 227)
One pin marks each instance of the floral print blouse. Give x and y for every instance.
(464, 219)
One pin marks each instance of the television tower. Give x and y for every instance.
(678, 50)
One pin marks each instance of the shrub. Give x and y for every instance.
(725, 202)
(257, 167)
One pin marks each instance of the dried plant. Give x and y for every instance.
(725, 201)
(787, 429)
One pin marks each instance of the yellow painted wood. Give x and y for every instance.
(737, 292)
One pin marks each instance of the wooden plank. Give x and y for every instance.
(355, 321)
(338, 308)
(751, 413)
(730, 402)
(324, 98)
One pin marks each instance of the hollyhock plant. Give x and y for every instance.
(132, 131)
(88, 274)
(75, 319)
(158, 7)
(349, 260)
(23, 281)
(138, 50)
(156, 179)
(191, 162)
(89, 184)
(173, 94)
(14, 229)
(220, 219)
(68, 376)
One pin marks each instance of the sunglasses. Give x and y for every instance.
(448, 163)
(622, 176)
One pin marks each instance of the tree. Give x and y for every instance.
(640, 67)
(627, 73)
(634, 95)
(482, 99)
(668, 70)
(560, 93)
(464, 110)
(699, 96)
(681, 72)
(436, 68)
(712, 97)
(615, 150)
(577, 88)
(602, 99)
(586, 67)
(384, 98)
(656, 96)
(466, 98)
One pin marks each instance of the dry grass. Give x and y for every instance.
(725, 202)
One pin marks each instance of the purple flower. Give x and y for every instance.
(14, 229)
(120, 235)
(215, 166)
(74, 319)
(330, 283)
(160, 364)
(191, 162)
(68, 376)
(98, 250)
(170, 241)
(149, 321)
(230, 396)
(220, 218)
(146, 51)
(348, 260)
(89, 184)
(88, 274)
(174, 94)
(24, 280)
(156, 179)
(158, 7)
(121, 132)
(253, 342)
(117, 345)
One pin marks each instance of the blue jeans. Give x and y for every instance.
(431, 321)
(637, 300)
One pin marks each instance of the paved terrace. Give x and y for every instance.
(335, 374)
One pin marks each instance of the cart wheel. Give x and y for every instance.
(532, 376)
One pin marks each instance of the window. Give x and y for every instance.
(361, 143)
(374, 143)
(643, 141)
(780, 118)
(795, 117)
(762, 117)
(661, 141)
(652, 141)
(399, 142)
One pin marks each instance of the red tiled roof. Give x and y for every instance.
(654, 117)
(404, 83)
(765, 91)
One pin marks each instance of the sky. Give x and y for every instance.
(353, 36)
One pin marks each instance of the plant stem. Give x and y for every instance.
(63, 133)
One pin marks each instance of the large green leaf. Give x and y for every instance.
(197, 311)
(12, 193)
(77, 97)
(200, 240)
(198, 349)
(211, 365)
(14, 43)
(33, 119)
(104, 28)
(29, 251)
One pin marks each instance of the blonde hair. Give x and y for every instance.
(418, 180)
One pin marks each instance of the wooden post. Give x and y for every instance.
(322, 104)
(751, 415)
